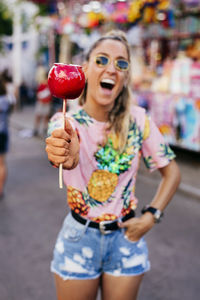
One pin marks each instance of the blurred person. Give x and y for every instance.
(101, 243)
(4, 133)
(43, 106)
(23, 94)
(11, 91)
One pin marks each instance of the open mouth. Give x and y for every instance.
(107, 84)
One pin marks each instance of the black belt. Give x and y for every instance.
(104, 226)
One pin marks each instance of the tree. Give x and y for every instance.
(6, 23)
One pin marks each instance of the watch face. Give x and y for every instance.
(158, 215)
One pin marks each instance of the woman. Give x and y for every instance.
(4, 134)
(101, 243)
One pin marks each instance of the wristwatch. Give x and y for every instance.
(157, 214)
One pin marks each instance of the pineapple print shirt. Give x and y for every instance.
(102, 186)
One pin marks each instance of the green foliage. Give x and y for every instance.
(5, 20)
(43, 9)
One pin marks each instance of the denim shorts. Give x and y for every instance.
(82, 252)
(4, 139)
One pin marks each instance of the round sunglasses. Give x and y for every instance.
(120, 63)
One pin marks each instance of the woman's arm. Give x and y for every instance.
(171, 177)
(63, 147)
(170, 181)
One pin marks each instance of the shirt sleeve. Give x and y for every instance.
(57, 121)
(4, 105)
(156, 152)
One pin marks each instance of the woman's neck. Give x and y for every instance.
(98, 113)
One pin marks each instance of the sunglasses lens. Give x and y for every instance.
(122, 64)
(101, 60)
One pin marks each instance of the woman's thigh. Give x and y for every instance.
(120, 287)
(76, 289)
(2, 159)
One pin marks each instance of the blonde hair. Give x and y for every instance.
(119, 116)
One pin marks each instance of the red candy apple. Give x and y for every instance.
(66, 81)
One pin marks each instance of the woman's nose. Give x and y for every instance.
(111, 66)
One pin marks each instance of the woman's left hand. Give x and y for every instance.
(137, 227)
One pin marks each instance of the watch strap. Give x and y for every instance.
(158, 214)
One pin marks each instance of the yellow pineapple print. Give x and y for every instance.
(76, 201)
(111, 164)
(105, 217)
(146, 132)
(102, 184)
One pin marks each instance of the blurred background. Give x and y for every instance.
(165, 41)
(165, 47)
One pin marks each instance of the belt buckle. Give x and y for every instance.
(102, 227)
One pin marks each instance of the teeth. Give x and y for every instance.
(107, 80)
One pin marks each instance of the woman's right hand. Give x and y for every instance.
(62, 147)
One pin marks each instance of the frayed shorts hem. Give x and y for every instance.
(53, 270)
(128, 274)
(67, 277)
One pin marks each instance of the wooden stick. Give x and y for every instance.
(61, 165)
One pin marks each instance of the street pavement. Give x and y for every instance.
(34, 207)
